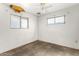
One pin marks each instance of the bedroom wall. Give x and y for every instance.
(12, 38)
(63, 34)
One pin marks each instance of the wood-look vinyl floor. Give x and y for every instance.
(40, 48)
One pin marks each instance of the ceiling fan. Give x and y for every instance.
(19, 8)
(44, 6)
(16, 8)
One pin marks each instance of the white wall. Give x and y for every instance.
(12, 38)
(63, 34)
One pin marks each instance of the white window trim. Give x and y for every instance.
(20, 22)
(55, 18)
(60, 16)
(27, 23)
(51, 23)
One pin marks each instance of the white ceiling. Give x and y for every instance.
(35, 8)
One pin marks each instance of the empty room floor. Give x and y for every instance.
(40, 48)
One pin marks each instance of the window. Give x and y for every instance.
(56, 20)
(24, 23)
(59, 20)
(51, 21)
(18, 22)
(15, 21)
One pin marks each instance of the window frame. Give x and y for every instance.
(51, 18)
(60, 16)
(20, 21)
(27, 22)
(55, 20)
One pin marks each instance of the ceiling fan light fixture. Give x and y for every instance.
(16, 8)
